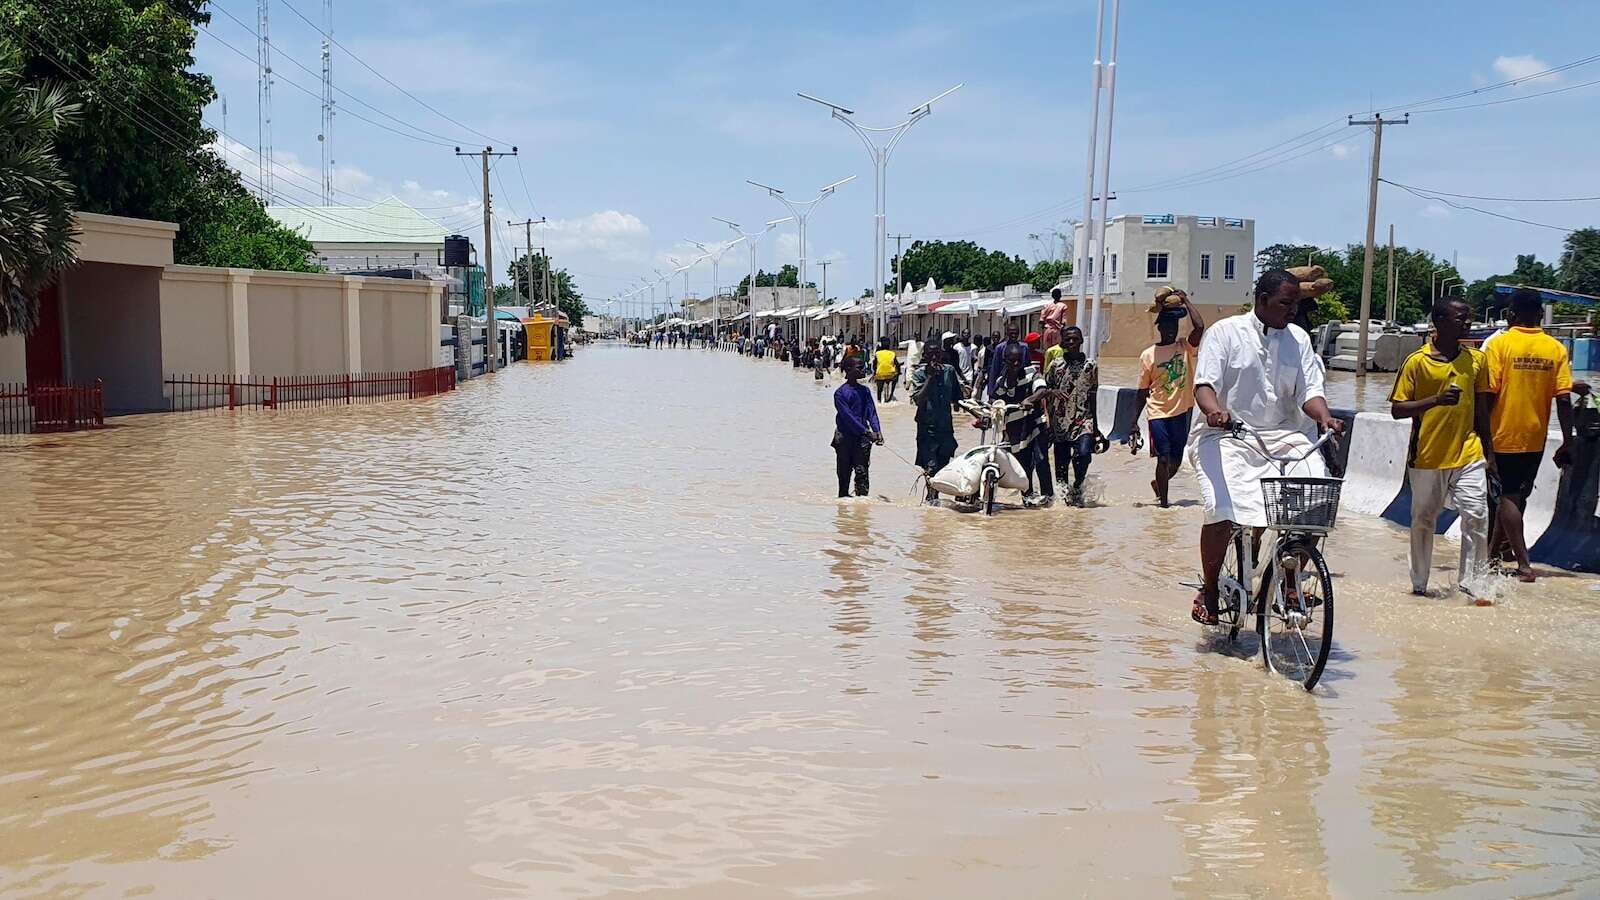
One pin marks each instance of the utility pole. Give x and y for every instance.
(1377, 122)
(264, 103)
(326, 137)
(527, 228)
(825, 264)
(491, 347)
(899, 267)
(1389, 282)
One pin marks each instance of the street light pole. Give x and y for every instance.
(880, 164)
(801, 212)
(753, 241)
(1105, 187)
(716, 257)
(1081, 271)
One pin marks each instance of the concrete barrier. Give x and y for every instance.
(1562, 522)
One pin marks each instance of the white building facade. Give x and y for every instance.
(1211, 258)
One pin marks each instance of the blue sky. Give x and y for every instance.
(638, 122)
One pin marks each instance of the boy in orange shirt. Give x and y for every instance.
(1166, 391)
(1527, 369)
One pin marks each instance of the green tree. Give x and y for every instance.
(36, 231)
(1580, 262)
(1414, 275)
(1529, 271)
(1048, 273)
(788, 276)
(140, 148)
(960, 266)
(563, 289)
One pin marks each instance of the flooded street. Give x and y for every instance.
(600, 629)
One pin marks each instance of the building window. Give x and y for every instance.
(1155, 266)
(1205, 267)
(1227, 267)
(1091, 267)
(1113, 266)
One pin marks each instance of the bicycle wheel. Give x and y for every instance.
(991, 480)
(1230, 587)
(1299, 620)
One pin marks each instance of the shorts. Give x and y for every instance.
(1517, 472)
(1169, 436)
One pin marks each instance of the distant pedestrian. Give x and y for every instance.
(1527, 369)
(1443, 389)
(998, 358)
(886, 371)
(855, 429)
(1053, 317)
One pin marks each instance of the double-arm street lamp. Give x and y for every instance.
(880, 154)
(802, 211)
(752, 240)
(715, 256)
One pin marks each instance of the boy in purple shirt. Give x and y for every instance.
(855, 428)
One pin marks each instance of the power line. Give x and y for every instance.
(1451, 203)
(149, 122)
(318, 97)
(1511, 82)
(1250, 164)
(532, 207)
(1514, 98)
(386, 79)
(353, 97)
(1495, 199)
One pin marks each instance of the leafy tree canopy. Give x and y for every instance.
(788, 276)
(140, 148)
(563, 289)
(1580, 262)
(960, 266)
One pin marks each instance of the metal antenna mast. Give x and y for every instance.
(263, 103)
(326, 137)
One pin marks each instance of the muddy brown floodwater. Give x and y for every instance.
(601, 629)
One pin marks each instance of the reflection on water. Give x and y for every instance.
(513, 642)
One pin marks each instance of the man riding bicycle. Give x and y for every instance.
(1259, 370)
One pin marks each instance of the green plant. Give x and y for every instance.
(36, 198)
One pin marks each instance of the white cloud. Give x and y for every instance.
(1435, 211)
(1340, 151)
(1526, 66)
(611, 233)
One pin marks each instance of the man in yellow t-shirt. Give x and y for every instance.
(1527, 369)
(1443, 388)
(1166, 392)
(885, 370)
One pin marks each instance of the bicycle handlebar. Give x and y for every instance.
(1239, 430)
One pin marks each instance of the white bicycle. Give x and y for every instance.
(1289, 590)
(996, 456)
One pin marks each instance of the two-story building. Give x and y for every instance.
(1212, 258)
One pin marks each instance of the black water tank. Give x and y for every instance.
(457, 252)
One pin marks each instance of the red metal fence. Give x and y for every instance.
(187, 393)
(36, 409)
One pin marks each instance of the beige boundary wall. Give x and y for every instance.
(246, 322)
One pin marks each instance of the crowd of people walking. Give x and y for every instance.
(1480, 416)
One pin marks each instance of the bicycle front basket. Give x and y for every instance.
(1302, 504)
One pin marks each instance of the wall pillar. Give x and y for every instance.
(238, 318)
(351, 294)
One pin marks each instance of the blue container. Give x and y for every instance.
(1585, 354)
